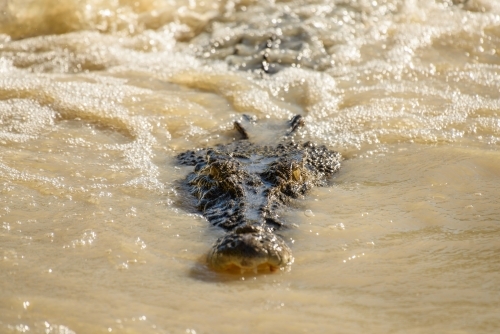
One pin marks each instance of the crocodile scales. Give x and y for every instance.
(242, 187)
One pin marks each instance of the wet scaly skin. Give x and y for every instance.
(242, 187)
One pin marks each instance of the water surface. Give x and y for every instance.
(98, 97)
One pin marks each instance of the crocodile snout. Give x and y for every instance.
(250, 251)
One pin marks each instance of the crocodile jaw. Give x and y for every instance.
(250, 251)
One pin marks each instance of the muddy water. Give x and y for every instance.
(98, 97)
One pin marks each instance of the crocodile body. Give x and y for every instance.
(242, 187)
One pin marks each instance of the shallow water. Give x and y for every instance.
(98, 97)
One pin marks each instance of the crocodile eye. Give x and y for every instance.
(296, 174)
(214, 172)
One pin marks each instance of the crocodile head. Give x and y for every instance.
(243, 187)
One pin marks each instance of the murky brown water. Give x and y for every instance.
(97, 98)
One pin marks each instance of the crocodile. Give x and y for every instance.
(243, 187)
